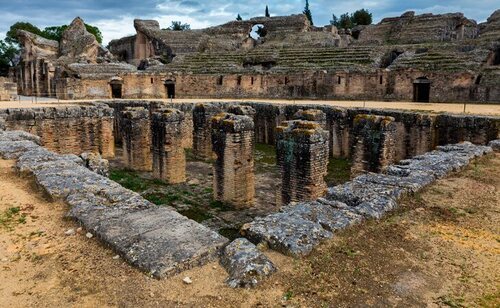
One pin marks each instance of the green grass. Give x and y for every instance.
(129, 180)
(196, 214)
(265, 157)
(339, 171)
(161, 198)
(11, 216)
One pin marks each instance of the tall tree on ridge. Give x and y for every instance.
(267, 12)
(308, 13)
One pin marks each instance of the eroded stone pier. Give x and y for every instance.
(302, 155)
(233, 143)
(374, 143)
(202, 133)
(136, 139)
(169, 158)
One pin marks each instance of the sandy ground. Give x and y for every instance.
(442, 248)
(490, 109)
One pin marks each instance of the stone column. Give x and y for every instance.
(233, 143)
(302, 155)
(136, 139)
(314, 115)
(374, 143)
(169, 159)
(202, 132)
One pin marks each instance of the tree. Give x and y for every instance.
(267, 12)
(8, 57)
(239, 17)
(361, 17)
(334, 21)
(54, 32)
(179, 26)
(11, 36)
(345, 21)
(307, 12)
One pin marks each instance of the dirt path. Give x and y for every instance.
(441, 249)
(485, 109)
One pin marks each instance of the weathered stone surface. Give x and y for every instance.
(158, 240)
(246, 265)
(78, 44)
(233, 143)
(94, 162)
(136, 139)
(495, 145)
(302, 156)
(289, 234)
(202, 130)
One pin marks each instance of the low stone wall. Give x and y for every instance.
(158, 240)
(298, 228)
(66, 130)
(8, 89)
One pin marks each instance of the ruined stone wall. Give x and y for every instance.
(136, 139)
(36, 78)
(374, 143)
(202, 130)
(302, 157)
(169, 158)
(233, 144)
(8, 89)
(67, 130)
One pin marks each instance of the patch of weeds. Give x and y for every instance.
(128, 179)
(221, 206)
(37, 233)
(348, 251)
(265, 157)
(339, 171)
(196, 214)
(452, 302)
(161, 198)
(489, 300)
(11, 215)
(288, 295)
(22, 219)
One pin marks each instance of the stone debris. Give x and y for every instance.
(70, 232)
(89, 235)
(299, 227)
(94, 162)
(495, 145)
(187, 280)
(246, 265)
(158, 240)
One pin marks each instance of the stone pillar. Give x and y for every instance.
(233, 143)
(136, 139)
(302, 155)
(202, 132)
(374, 143)
(314, 115)
(169, 159)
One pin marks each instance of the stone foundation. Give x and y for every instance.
(302, 155)
(233, 143)
(169, 159)
(136, 139)
(374, 143)
(66, 130)
(202, 131)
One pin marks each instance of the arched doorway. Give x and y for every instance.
(116, 87)
(170, 88)
(421, 90)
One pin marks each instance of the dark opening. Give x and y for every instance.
(339, 81)
(116, 90)
(152, 81)
(389, 57)
(219, 80)
(478, 79)
(238, 80)
(286, 80)
(251, 81)
(170, 88)
(421, 90)
(494, 57)
(381, 81)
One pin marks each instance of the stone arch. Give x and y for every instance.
(421, 89)
(258, 31)
(116, 85)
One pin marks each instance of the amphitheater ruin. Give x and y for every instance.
(225, 179)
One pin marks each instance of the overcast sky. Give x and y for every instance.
(115, 18)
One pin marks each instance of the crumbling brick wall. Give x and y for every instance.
(8, 89)
(169, 159)
(374, 143)
(233, 143)
(302, 156)
(202, 130)
(136, 139)
(67, 130)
